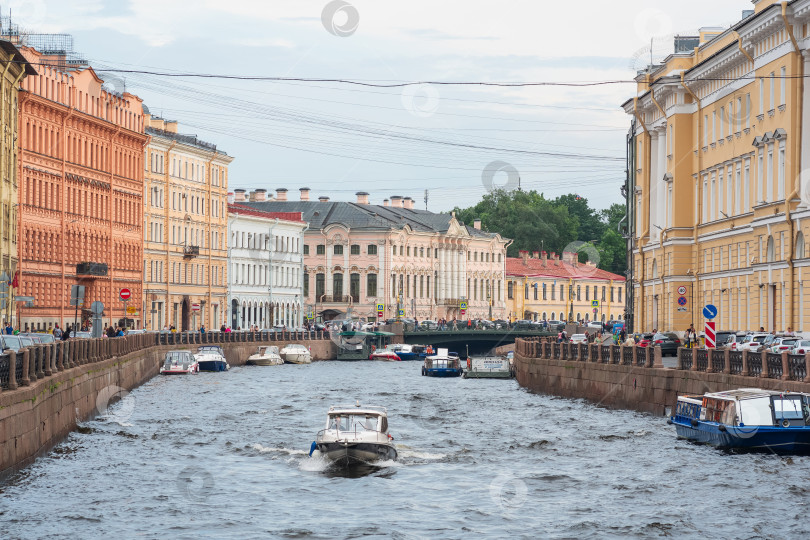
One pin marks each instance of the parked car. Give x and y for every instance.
(753, 342)
(579, 338)
(595, 325)
(12, 342)
(556, 326)
(668, 341)
(523, 325)
(484, 324)
(644, 340)
(738, 340)
(801, 347)
(428, 325)
(783, 344)
(500, 323)
(723, 338)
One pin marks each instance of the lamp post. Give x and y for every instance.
(489, 301)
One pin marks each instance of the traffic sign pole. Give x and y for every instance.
(709, 331)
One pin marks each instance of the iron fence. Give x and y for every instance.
(718, 361)
(774, 365)
(755, 365)
(702, 359)
(797, 364)
(735, 362)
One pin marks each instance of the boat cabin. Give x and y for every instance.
(178, 358)
(747, 407)
(267, 349)
(210, 349)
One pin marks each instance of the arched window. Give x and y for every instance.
(562, 317)
(799, 246)
(769, 250)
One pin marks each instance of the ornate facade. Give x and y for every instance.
(266, 260)
(721, 194)
(15, 68)
(81, 193)
(185, 224)
(359, 255)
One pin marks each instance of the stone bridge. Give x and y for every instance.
(476, 341)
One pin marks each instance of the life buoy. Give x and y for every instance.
(786, 423)
(373, 348)
(469, 364)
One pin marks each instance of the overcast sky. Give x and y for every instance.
(338, 139)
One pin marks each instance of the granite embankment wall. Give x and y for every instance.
(634, 377)
(47, 389)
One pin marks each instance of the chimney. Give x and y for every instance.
(239, 195)
(230, 197)
(477, 224)
(535, 254)
(396, 201)
(407, 203)
(524, 254)
(552, 256)
(543, 255)
(281, 194)
(569, 257)
(258, 195)
(386, 202)
(323, 199)
(362, 197)
(304, 193)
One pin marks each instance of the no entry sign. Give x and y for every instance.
(125, 294)
(710, 334)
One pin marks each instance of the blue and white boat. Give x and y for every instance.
(746, 419)
(443, 364)
(211, 358)
(408, 352)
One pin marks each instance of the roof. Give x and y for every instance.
(16, 56)
(515, 266)
(190, 140)
(365, 216)
(241, 209)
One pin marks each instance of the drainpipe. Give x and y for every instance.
(797, 146)
(300, 321)
(698, 194)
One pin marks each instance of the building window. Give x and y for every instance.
(510, 290)
(337, 285)
(421, 286)
(611, 295)
(578, 293)
(306, 249)
(354, 286)
(371, 285)
(603, 293)
(338, 249)
(372, 249)
(544, 293)
(355, 249)
(320, 281)
(553, 292)
(427, 283)
(562, 292)
(408, 251)
(306, 285)
(320, 249)
(526, 291)
(587, 293)
(421, 252)
(395, 251)
(535, 290)
(620, 294)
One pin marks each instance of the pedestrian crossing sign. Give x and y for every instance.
(594, 303)
(380, 307)
(462, 304)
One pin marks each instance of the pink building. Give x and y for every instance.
(358, 255)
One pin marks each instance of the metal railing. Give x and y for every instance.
(685, 359)
(797, 367)
(701, 359)
(627, 356)
(735, 362)
(755, 365)
(774, 365)
(718, 362)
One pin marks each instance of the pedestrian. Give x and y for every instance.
(202, 328)
(57, 332)
(223, 328)
(66, 333)
(120, 332)
(9, 328)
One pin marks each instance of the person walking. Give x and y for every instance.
(57, 332)
(66, 333)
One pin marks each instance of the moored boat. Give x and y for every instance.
(746, 419)
(488, 367)
(407, 351)
(355, 435)
(295, 353)
(265, 356)
(179, 363)
(211, 358)
(386, 354)
(442, 364)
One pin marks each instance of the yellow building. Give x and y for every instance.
(721, 197)
(542, 287)
(185, 229)
(15, 68)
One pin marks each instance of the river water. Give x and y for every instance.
(226, 456)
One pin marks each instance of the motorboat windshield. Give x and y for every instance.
(354, 422)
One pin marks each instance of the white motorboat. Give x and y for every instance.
(179, 363)
(211, 358)
(265, 356)
(295, 353)
(355, 435)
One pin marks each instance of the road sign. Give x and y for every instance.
(595, 303)
(195, 307)
(97, 308)
(401, 312)
(681, 290)
(462, 305)
(380, 314)
(682, 301)
(76, 295)
(380, 307)
(708, 329)
(710, 311)
(595, 311)
(682, 309)
(463, 311)
(125, 294)
(132, 310)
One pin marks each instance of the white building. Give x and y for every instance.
(266, 262)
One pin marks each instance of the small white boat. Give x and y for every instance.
(295, 353)
(355, 435)
(179, 363)
(211, 358)
(265, 356)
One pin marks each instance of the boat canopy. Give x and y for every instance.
(383, 334)
(357, 333)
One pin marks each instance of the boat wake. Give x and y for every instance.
(272, 450)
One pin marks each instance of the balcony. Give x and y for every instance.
(91, 269)
(335, 299)
(452, 302)
(189, 252)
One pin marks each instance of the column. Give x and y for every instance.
(660, 203)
